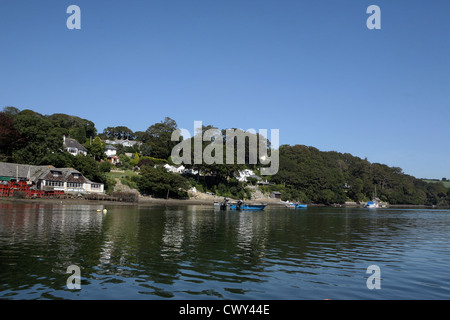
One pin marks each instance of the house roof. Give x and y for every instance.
(72, 143)
(110, 147)
(23, 171)
(67, 174)
(35, 173)
(123, 141)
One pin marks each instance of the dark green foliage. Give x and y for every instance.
(41, 140)
(332, 177)
(89, 168)
(10, 138)
(120, 132)
(159, 183)
(77, 128)
(157, 139)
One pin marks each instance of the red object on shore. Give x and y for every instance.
(8, 188)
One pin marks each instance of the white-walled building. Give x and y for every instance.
(73, 147)
(49, 178)
(111, 154)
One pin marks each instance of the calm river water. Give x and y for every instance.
(195, 252)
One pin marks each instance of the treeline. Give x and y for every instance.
(310, 175)
(305, 174)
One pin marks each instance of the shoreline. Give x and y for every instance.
(144, 201)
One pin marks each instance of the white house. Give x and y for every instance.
(247, 173)
(110, 151)
(68, 180)
(49, 178)
(174, 169)
(125, 143)
(180, 169)
(111, 154)
(73, 146)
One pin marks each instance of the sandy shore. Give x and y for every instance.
(143, 201)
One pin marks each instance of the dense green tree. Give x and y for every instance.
(119, 132)
(89, 168)
(96, 148)
(10, 138)
(41, 138)
(158, 143)
(10, 111)
(78, 128)
(159, 183)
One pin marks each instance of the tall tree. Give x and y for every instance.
(96, 148)
(158, 139)
(42, 138)
(10, 138)
(162, 184)
(119, 132)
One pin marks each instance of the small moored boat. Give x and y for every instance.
(240, 205)
(295, 205)
(221, 205)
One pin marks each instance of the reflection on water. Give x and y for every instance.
(194, 252)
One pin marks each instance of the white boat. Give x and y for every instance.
(295, 205)
(375, 203)
(372, 205)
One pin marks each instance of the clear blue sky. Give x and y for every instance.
(309, 68)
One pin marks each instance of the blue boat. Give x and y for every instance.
(296, 205)
(249, 207)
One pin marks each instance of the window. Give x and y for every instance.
(74, 185)
(55, 183)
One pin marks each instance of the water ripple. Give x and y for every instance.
(195, 253)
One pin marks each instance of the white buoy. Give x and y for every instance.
(105, 211)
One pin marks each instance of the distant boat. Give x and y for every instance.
(375, 203)
(240, 205)
(221, 205)
(372, 205)
(295, 205)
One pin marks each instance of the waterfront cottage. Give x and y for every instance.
(49, 178)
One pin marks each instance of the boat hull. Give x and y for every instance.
(248, 207)
(296, 206)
